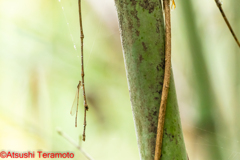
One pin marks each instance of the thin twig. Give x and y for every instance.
(82, 74)
(74, 144)
(219, 4)
(166, 81)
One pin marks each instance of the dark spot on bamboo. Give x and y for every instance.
(176, 140)
(157, 29)
(146, 4)
(137, 32)
(144, 46)
(170, 136)
(140, 58)
(133, 2)
(158, 68)
(152, 127)
(155, 113)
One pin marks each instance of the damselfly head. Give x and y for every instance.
(79, 84)
(76, 99)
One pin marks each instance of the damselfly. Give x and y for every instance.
(75, 105)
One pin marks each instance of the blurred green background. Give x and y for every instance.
(40, 70)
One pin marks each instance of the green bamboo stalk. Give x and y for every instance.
(142, 32)
(207, 100)
(235, 74)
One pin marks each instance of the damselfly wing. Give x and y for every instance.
(74, 109)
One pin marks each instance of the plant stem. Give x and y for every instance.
(64, 135)
(82, 74)
(166, 81)
(141, 24)
(219, 4)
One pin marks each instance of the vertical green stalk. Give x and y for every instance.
(235, 74)
(207, 99)
(142, 32)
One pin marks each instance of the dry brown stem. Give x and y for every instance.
(166, 81)
(219, 4)
(82, 67)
